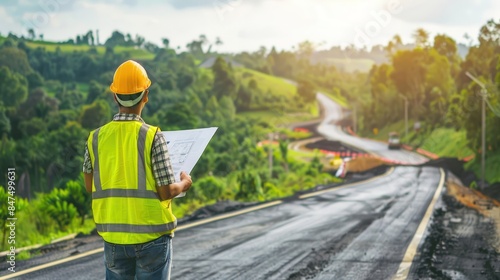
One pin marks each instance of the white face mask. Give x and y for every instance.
(130, 103)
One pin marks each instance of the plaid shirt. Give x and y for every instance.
(160, 159)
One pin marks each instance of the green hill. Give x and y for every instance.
(133, 52)
(275, 85)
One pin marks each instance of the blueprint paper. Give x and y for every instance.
(185, 148)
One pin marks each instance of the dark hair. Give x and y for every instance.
(127, 97)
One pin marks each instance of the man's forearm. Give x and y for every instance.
(88, 177)
(172, 190)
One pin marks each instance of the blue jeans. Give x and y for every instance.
(150, 260)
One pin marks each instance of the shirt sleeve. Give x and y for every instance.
(87, 164)
(162, 166)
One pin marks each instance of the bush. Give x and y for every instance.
(57, 206)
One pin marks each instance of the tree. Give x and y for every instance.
(244, 97)
(117, 39)
(65, 141)
(409, 76)
(180, 116)
(490, 33)
(38, 104)
(95, 114)
(306, 90)
(95, 91)
(227, 109)
(421, 37)
(166, 42)
(306, 49)
(16, 60)
(224, 80)
(446, 46)
(218, 42)
(4, 122)
(31, 34)
(394, 44)
(14, 87)
(139, 40)
(89, 38)
(34, 80)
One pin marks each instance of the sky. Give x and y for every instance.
(245, 25)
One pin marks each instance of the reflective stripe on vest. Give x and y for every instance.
(136, 228)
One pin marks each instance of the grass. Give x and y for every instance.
(139, 54)
(28, 235)
(447, 142)
(277, 87)
(492, 163)
(276, 118)
(266, 83)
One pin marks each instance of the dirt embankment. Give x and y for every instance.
(463, 238)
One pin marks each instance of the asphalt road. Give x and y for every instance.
(357, 232)
(330, 131)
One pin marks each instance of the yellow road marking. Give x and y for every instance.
(411, 251)
(100, 250)
(346, 186)
(29, 270)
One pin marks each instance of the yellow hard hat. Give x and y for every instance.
(130, 78)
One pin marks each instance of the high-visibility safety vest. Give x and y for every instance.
(125, 203)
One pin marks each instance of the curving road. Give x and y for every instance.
(329, 130)
(359, 231)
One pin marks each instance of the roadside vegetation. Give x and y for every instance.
(432, 77)
(53, 94)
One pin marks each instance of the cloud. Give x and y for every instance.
(246, 24)
(186, 4)
(446, 12)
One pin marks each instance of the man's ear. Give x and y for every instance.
(116, 101)
(145, 98)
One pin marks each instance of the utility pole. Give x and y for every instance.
(406, 115)
(355, 118)
(270, 155)
(484, 93)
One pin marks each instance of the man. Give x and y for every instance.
(128, 171)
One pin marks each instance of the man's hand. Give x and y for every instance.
(173, 190)
(186, 178)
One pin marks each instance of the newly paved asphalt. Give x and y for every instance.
(357, 232)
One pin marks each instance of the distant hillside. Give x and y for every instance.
(210, 62)
(463, 50)
(351, 60)
(133, 52)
